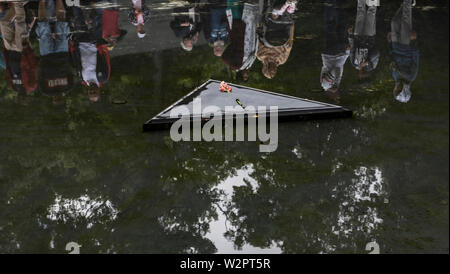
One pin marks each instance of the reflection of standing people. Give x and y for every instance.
(138, 15)
(336, 49)
(88, 50)
(363, 54)
(20, 62)
(55, 72)
(405, 53)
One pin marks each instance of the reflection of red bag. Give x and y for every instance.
(224, 87)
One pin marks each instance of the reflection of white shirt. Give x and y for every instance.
(88, 54)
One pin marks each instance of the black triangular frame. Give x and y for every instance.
(332, 112)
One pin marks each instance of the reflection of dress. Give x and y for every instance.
(249, 16)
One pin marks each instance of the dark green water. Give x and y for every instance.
(85, 172)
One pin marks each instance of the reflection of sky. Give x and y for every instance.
(219, 227)
(72, 210)
(355, 214)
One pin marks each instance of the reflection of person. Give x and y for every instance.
(363, 54)
(336, 49)
(277, 38)
(20, 62)
(404, 51)
(186, 26)
(138, 15)
(240, 54)
(55, 72)
(218, 24)
(89, 52)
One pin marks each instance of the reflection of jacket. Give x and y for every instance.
(103, 69)
(21, 69)
(406, 60)
(365, 47)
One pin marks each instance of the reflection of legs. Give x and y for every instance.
(43, 31)
(330, 18)
(406, 23)
(401, 24)
(396, 23)
(62, 37)
(60, 11)
(20, 25)
(370, 26)
(44, 36)
(42, 11)
(360, 17)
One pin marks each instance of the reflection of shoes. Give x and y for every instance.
(413, 3)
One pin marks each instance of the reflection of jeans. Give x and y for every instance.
(218, 27)
(365, 19)
(48, 45)
(401, 24)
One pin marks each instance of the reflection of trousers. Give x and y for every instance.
(14, 29)
(335, 28)
(366, 19)
(401, 24)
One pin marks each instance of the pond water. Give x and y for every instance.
(78, 168)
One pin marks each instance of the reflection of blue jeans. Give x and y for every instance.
(218, 26)
(48, 45)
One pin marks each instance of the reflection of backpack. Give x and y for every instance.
(55, 74)
(276, 32)
(103, 68)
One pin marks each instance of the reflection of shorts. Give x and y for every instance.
(48, 45)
